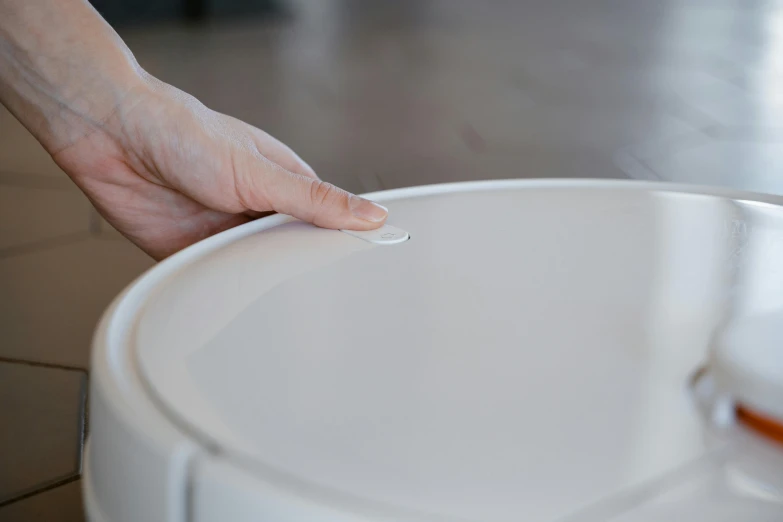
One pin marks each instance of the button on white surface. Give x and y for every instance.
(386, 235)
(416, 383)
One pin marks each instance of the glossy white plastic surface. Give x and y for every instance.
(747, 360)
(522, 360)
(527, 355)
(136, 459)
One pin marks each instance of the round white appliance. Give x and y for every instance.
(506, 351)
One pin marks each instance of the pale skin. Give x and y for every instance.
(162, 168)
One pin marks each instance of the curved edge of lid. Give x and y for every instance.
(121, 327)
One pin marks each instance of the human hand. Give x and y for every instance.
(166, 172)
(162, 168)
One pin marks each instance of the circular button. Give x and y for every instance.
(386, 235)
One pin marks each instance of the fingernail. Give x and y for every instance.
(367, 210)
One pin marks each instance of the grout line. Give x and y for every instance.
(36, 364)
(82, 424)
(56, 483)
(82, 428)
(43, 244)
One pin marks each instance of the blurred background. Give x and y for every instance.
(376, 94)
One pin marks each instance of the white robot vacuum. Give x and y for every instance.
(554, 351)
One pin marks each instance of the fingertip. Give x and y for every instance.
(370, 212)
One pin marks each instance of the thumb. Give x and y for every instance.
(321, 203)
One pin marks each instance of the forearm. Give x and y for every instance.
(63, 70)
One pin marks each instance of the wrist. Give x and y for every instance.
(63, 71)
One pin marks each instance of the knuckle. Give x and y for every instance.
(321, 192)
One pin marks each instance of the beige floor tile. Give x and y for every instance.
(523, 162)
(697, 96)
(19, 152)
(761, 106)
(29, 216)
(36, 181)
(744, 158)
(662, 32)
(43, 427)
(753, 166)
(61, 504)
(549, 127)
(53, 298)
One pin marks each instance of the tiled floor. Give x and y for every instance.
(40, 400)
(382, 94)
